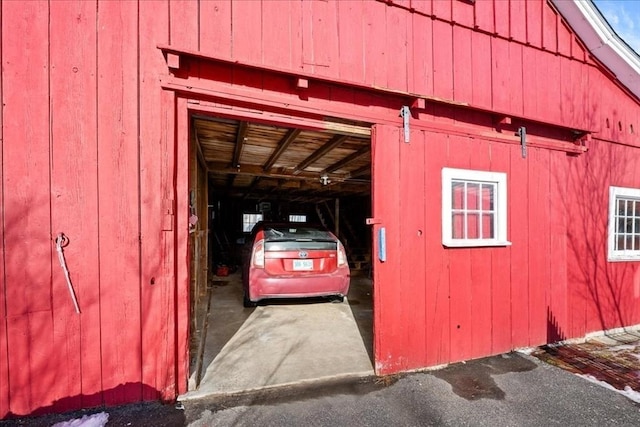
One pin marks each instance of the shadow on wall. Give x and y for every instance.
(153, 414)
(595, 285)
(55, 360)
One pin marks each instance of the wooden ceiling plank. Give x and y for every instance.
(332, 144)
(282, 145)
(350, 158)
(359, 172)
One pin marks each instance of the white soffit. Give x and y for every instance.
(602, 41)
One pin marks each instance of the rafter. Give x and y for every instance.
(282, 145)
(350, 158)
(241, 135)
(332, 144)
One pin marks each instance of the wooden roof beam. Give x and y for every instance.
(332, 144)
(360, 172)
(350, 158)
(282, 145)
(241, 136)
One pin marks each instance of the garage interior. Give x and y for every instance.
(244, 171)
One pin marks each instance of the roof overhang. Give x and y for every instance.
(602, 41)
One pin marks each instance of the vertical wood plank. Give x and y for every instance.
(529, 82)
(276, 34)
(246, 31)
(422, 7)
(437, 295)
(27, 229)
(442, 10)
(350, 40)
(74, 201)
(518, 191)
(413, 232)
(501, 19)
(185, 25)
(549, 29)
(398, 21)
(484, 16)
(462, 63)
(538, 226)
(374, 44)
(481, 69)
(4, 356)
(443, 59)
(388, 333)
(518, 20)
(181, 246)
(517, 98)
(500, 74)
(481, 273)
(557, 323)
(548, 75)
(118, 200)
(564, 38)
(422, 43)
(462, 13)
(501, 315)
(325, 38)
(157, 131)
(534, 22)
(460, 274)
(214, 25)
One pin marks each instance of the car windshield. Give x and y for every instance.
(292, 232)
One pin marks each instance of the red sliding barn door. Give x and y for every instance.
(399, 228)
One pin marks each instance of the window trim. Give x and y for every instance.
(249, 222)
(612, 254)
(500, 179)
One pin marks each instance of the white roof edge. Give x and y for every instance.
(602, 41)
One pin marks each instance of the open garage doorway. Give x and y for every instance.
(241, 172)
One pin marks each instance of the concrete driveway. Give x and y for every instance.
(282, 342)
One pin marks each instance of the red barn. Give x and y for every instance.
(493, 145)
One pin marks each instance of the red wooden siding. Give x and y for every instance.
(94, 145)
(27, 230)
(156, 209)
(73, 182)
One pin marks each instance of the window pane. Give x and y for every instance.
(457, 195)
(487, 197)
(621, 225)
(636, 225)
(629, 208)
(457, 226)
(249, 220)
(636, 242)
(473, 226)
(620, 207)
(619, 243)
(628, 243)
(488, 231)
(473, 192)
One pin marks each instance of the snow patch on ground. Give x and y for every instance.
(96, 420)
(628, 391)
(623, 347)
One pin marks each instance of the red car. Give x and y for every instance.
(290, 260)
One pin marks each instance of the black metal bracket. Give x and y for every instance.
(522, 133)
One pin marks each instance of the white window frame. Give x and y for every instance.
(301, 218)
(247, 221)
(614, 194)
(500, 225)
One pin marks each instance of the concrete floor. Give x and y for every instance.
(281, 342)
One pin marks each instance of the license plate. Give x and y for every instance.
(302, 264)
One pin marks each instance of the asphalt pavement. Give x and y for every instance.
(508, 390)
